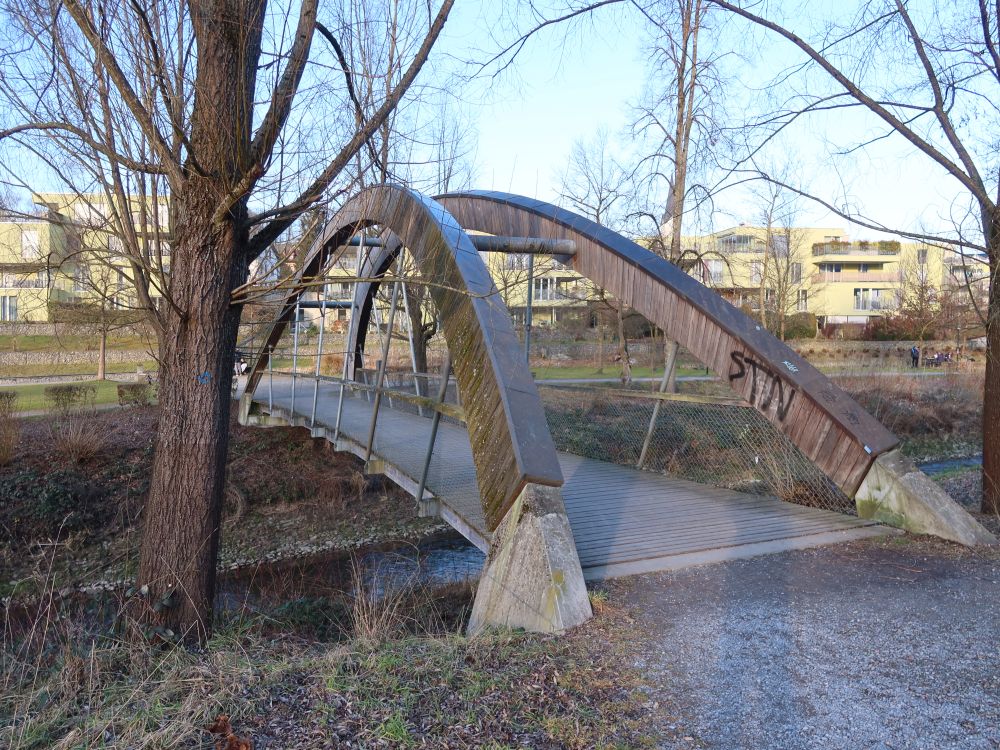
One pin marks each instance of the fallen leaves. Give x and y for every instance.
(227, 738)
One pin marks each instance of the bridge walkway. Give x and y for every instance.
(624, 521)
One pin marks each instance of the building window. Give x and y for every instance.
(922, 256)
(871, 299)
(81, 279)
(116, 248)
(796, 270)
(31, 244)
(831, 267)
(779, 245)
(543, 289)
(8, 309)
(734, 243)
(713, 271)
(517, 261)
(802, 300)
(756, 272)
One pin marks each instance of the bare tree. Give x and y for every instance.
(215, 105)
(680, 116)
(597, 186)
(782, 265)
(941, 98)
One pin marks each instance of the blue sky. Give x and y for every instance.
(563, 88)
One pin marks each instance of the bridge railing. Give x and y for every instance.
(710, 440)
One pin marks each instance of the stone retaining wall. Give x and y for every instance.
(114, 356)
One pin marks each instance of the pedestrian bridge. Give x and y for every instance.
(474, 443)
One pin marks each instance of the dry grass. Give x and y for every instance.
(70, 680)
(76, 439)
(332, 365)
(948, 404)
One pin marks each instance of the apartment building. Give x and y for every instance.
(72, 249)
(32, 250)
(820, 271)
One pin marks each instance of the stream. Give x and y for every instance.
(939, 467)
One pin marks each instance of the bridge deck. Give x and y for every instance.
(624, 521)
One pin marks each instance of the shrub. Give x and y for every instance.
(134, 394)
(9, 429)
(800, 326)
(67, 398)
(76, 440)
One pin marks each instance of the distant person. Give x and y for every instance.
(915, 356)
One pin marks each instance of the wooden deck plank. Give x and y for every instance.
(667, 537)
(621, 517)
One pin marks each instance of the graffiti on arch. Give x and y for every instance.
(766, 386)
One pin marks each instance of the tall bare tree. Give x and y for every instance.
(596, 185)
(218, 104)
(941, 99)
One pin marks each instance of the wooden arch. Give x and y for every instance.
(511, 444)
(826, 424)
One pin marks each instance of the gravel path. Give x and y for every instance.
(867, 645)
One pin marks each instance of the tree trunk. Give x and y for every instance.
(185, 501)
(102, 356)
(177, 562)
(991, 403)
(623, 355)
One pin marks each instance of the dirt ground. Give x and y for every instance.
(885, 644)
(74, 521)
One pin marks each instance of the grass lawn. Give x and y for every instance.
(32, 397)
(68, 342)
(76, 368)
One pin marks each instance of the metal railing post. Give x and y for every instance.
(413, 350)
(270, 379)
(380, 375)
(319, 351)
(527, 309)
(349, 355)
(295, 354)
(435, 421)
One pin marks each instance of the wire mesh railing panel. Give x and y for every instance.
(715, 442)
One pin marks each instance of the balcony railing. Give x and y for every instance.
(874, 305)
(826, 277)
(855, 248)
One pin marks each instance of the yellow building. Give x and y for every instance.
(75, 251)
(817, 270)
(32, 250)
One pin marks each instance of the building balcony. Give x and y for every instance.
(854, 249)
(830, 277)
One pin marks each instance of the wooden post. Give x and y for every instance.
(668, 368)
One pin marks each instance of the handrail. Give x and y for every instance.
(688, 398)
(449, 410)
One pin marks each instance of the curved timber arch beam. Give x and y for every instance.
(511, 444)
(826, 424)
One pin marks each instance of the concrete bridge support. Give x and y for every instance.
(532, 577)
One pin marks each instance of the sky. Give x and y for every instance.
(564, 88)
(570, 81)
